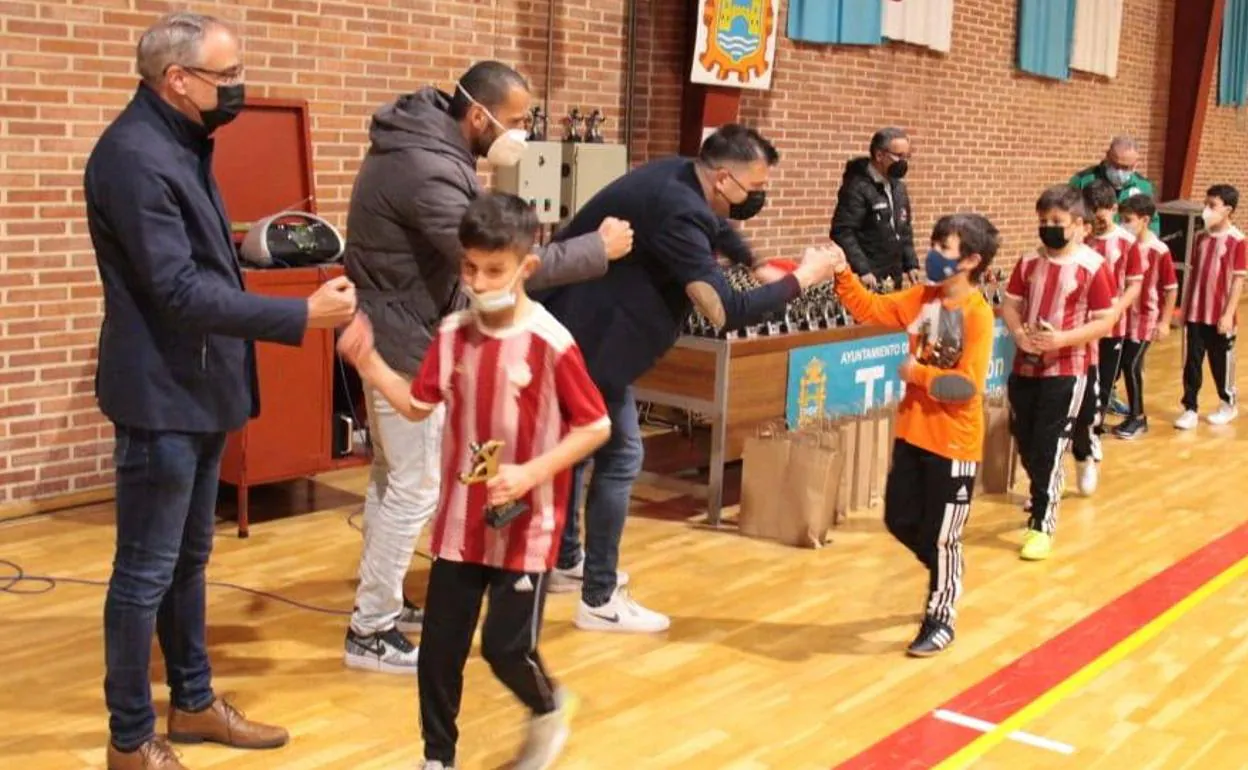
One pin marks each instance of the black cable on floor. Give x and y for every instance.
(13, 583)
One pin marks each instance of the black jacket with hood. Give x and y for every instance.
(403, 251)
(877, 237)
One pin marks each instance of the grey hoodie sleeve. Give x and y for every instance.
(582, 258)
(435, 208)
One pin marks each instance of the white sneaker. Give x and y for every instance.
(1089, 475)
(1224, 414)
(622, 614)
(1187, 420)
(565, 581)
(547, 736)
(389, 652)
(433, 764)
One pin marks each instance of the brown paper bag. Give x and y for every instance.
(884, 418)
(997, 469)
(810, 492)
(865, 462)
(847, 433)
(765, 459)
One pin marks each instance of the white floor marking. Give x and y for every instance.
(978, 724)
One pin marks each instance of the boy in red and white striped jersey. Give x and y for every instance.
(521, 411)
(1057, 302)
(1214, 283)
(1148, 318)
(1113, 244)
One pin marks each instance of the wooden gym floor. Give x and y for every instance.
(1127, 649)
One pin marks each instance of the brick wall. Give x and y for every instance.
(986, 138)
(1222, 157)
(68, 69)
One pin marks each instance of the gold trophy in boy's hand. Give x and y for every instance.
(485, 461)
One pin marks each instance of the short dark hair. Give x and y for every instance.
(735, 143)
(498, 221)
(1225, 193)
(885, 137)
(1140, 205)
(1099, 196)
(1062, 197)
(976, 235)
(489, 83)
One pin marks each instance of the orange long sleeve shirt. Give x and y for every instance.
(955, 431)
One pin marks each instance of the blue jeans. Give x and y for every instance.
(616, 466)
(166, 503)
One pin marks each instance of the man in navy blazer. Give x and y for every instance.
(177, 372)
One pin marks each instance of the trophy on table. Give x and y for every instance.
(485, 461)
(538, 125)
(572, 124)
(593, 127)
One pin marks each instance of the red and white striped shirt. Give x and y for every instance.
(1216, 260)
(1065, 292)
(1159, 278)
(526, 386)
(1115, 247)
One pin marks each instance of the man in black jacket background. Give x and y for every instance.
(873, 222)
(176, 373)
(403, 252)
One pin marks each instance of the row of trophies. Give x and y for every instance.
(576, 126)
(817, 308)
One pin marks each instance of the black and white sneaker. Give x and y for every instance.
(389, 652)
(411, 617)
(933, 638)
(1133, 428)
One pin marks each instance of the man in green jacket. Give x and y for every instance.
(1119, 170)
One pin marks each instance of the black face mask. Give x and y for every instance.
(1053, 236)
(898, 170)
(230, 101)
(748, 208)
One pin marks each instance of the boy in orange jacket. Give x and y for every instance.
(940, 423)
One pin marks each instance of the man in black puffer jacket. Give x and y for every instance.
(873, 222)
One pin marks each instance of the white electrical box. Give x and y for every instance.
(587, 168)
(537, 178)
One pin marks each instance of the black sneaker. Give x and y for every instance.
(933, 637)
(1133, 428)
(411, 617)
(389, 652)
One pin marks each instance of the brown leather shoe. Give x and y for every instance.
(222, 723)
(156, 754)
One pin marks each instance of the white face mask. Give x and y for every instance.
(1118, 177)
(496, 301)
(1210, 217)
(508, 148)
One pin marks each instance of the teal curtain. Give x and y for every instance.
(841, 22)
(1046, 35)
(1233, 57)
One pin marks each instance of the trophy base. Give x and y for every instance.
(498, 516)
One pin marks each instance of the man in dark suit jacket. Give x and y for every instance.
(177, 372)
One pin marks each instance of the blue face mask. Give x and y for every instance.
(939, 267)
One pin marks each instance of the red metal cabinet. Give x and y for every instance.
(292, 437)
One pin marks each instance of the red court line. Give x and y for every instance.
(927, 741)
